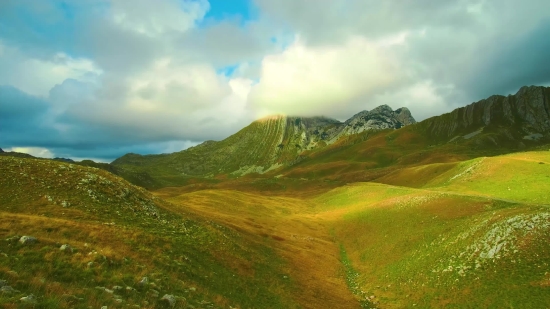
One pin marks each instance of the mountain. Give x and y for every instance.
(369, 140)
(264, 145)
(522, 116)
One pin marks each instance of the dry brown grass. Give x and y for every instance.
(290, 226)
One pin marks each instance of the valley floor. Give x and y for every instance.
(465, 234)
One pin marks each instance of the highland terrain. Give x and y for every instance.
(378, 211)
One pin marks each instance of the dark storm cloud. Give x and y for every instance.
(513, 63)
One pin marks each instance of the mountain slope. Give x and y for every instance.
(363, 147)
(524, 115)
(474, 235)
(264, 145)
(117, 234)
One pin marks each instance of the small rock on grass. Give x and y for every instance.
(169, 300)
(31, 299)
(27, 240)
(66, 248)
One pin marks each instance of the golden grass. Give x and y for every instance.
(289, 226)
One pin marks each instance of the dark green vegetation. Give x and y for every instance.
(449, 212)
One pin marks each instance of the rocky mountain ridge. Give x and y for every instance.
(267, 144)
(524, 115)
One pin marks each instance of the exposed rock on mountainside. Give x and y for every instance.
(382, 117)
(264, 145)
(523, 115)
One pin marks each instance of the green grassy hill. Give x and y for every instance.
(120, 234)
(468, 233)
(473, 234)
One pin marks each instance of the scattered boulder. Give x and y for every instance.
(31, 299)
(90, 264)
(169, 300)
(6, 289)
(27, 240)
(66, 248)
(143, 282)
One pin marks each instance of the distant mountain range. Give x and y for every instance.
(498, 124)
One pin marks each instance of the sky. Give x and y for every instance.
(95, 79)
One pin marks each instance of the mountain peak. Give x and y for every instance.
(379, 118)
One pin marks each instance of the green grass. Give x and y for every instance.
(208, 264)
(434, 235)
(436, 247)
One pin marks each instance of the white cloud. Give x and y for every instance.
(423, 98)
(305, 80)
(33, 151)
(156, 17)
(37, 76)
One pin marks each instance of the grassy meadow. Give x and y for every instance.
(462, 233)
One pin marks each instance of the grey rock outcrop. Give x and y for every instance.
(382, 117)
(27, 240)
(527, 111)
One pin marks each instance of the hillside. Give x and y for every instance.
(472, 234)
(461, 233)
(93, 238)
(262, 146)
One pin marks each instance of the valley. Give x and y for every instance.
(262, 154)
(469, 232)
(378, 211)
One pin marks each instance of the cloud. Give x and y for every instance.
(156, 17)
(37, 76)
(88, 78)
(310, 81)
(513, 63)
(33, 151)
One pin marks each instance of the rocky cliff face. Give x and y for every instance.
(382, 117)
(525, 114)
